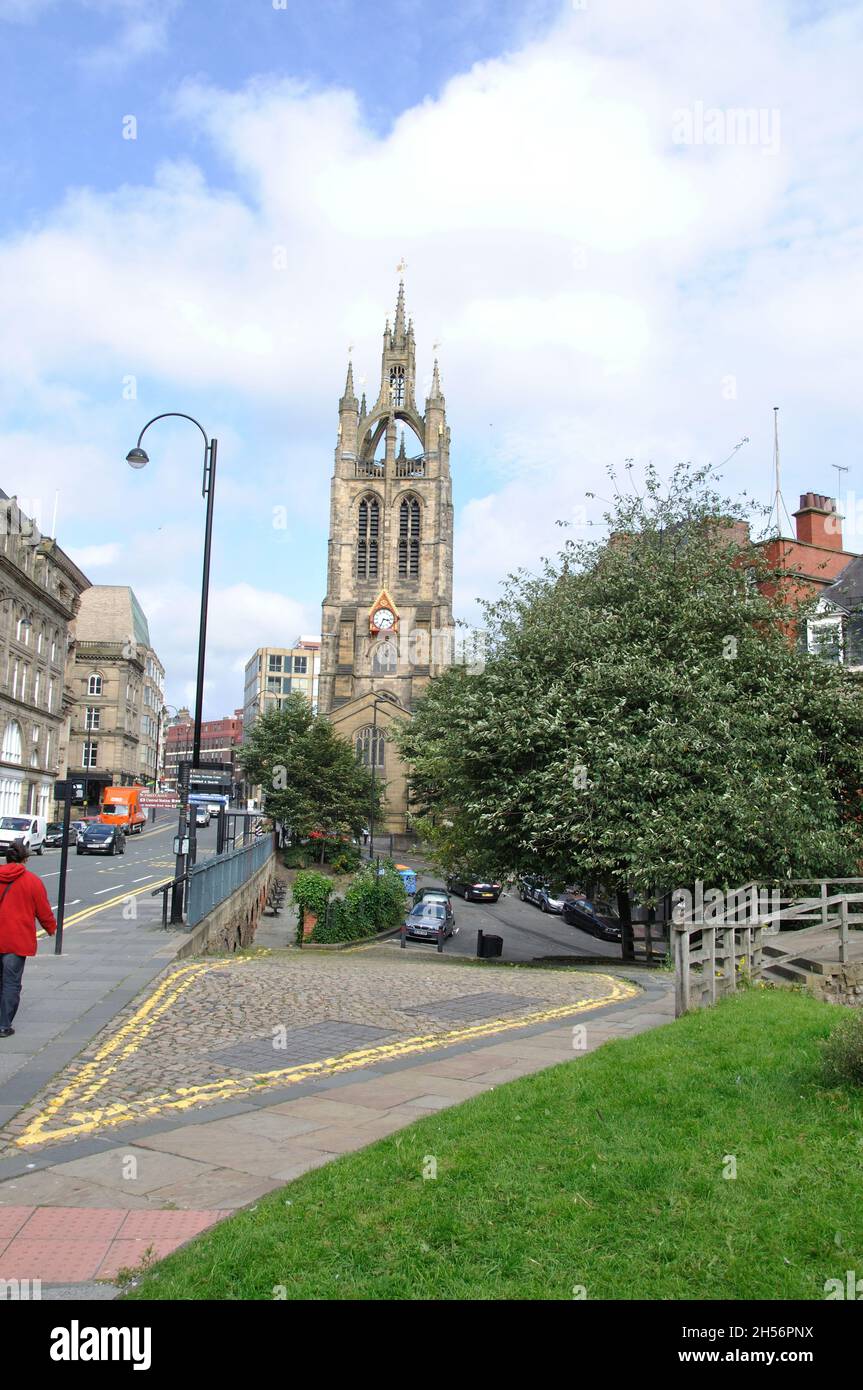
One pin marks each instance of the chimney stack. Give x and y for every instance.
(817, 521)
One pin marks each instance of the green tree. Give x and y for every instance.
(311, 779)
(644, 718)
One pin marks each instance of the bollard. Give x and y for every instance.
(479, 944)
(404, 934)
(439, 940)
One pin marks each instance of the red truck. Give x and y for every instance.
(122, 806)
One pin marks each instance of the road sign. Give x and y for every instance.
(159, 800)
(77, 790)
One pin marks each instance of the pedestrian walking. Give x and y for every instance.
(23, 900)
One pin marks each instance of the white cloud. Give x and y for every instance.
(599, 291)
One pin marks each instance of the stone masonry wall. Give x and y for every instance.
(234, 922)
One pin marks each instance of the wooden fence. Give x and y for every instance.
(717, 950)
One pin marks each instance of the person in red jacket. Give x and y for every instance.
(22, 900)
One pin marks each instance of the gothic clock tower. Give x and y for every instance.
(387, 617)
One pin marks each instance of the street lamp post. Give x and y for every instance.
(138, 458)
(380, 697)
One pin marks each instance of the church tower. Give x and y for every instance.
(387, 620)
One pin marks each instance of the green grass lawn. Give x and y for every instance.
(605, 1172)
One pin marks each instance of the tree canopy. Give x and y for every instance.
(310, 777)
(643, 718)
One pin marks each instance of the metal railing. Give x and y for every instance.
(215, 879)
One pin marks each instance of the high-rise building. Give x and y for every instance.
(116, 683)
(387, 624)
(272, 673)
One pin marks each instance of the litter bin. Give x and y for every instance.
(488, 946)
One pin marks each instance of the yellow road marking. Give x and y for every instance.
(112, 902)
(129, 1038)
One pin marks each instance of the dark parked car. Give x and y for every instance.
(474, 890)
(593, 915)
(101, 839)
(538, 892)
(438, 895)
(426, 919)
(54, 834)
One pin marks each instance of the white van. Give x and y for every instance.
(30, 829)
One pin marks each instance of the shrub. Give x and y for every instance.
(344, 858)
(843, 1050)
(372, 903)
(311, 894)
(296, 857)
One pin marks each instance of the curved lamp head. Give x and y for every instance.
(137, 458)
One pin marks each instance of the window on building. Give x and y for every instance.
(15, 671)
(12, 742)
(286, 685)
(40, 640)
(824, 637)
(397, 385)
(37, 681)
(92, 718)
(409, 538)
(275, 663)
(301, 665)
(370, 747)
(51, 696)
(368, 526)
(274, 684)
(54, 643)
(385, 657)
(25, 680)
(91, 753)
(94, 685)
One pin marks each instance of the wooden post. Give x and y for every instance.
(825, 910)
(843, 930)
(711, 960)
(731, 957)
(681, 970)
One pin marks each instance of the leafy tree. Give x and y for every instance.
(310, 777)
(643, 718)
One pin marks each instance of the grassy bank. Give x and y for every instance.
(606, 1172)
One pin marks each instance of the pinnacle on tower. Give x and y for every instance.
(399, 328)
(435, 394)
(349, 398)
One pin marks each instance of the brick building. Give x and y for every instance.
(220, 739)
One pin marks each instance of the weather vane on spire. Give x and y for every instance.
(402, 266)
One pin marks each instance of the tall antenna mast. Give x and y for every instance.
(778, 501)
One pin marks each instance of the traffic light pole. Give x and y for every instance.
(64, 861)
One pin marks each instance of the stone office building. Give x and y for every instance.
(40, 591)
(116, 683)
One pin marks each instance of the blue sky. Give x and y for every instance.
(601, 287)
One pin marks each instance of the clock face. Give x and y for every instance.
(383, 619)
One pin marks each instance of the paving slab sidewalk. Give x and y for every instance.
(88, 1210)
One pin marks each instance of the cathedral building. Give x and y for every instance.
(387, 624)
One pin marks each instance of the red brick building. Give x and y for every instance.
(220, 739)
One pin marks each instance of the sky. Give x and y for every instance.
(633, 228)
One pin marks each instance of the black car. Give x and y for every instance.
(101, 839)
(474, 890)
(593, 915)
(54, 834)
(541, 894)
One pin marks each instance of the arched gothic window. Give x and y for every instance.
(94, 684)
(368, 527)
(397, 385)
(385, 657)
(370, 747)
(409, 539)
(12, 743)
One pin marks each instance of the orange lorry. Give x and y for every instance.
(122, 806)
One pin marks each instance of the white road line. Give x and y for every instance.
(71, 904)
(144, 879)
(112, 889)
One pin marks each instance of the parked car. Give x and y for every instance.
(30, 829)
(54, 834)
(538, 892)
(202, 815)
(433, 895)
(474, 889)
(593, 915)
(99, 838)
(425, 920)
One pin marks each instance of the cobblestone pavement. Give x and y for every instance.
(213, 1030)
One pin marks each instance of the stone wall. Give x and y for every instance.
(234, 922)
(843, 986)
